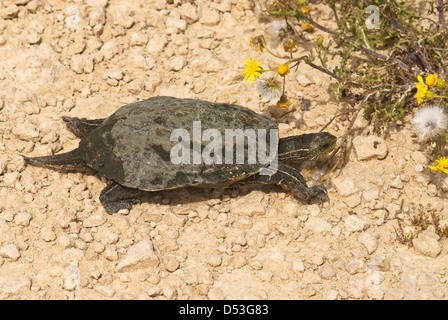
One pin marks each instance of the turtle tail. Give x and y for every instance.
(69, 161)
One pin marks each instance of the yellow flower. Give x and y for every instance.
(284, 102)
(253, 69)
(431, 80)
(303, 6)
(320, 41)
(421, 90)
(442, 164)
(307, 27)
(283, 70)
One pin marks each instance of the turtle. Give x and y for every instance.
(134, 146)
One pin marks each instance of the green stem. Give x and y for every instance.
(300, 15)
(364, 39)
(275, 55)
(443, 97)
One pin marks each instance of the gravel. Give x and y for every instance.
(253, 242)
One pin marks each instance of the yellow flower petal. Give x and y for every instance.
(305, 9)
(442, 163)
(420, 79)
(421, 90)
(283, 102)
(431, 80)
(435, 168)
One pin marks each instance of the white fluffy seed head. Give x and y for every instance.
(430, 122)
(278, 31)
(269, 88)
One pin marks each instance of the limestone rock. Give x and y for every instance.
(109, 50)
(121, 16)
(209, 17)
(327, 272)
(76, 47)
(427, 244)
(10, 251)
(22, 219)
(206, 62)
(138, 39)
(140, 255)
(318, 225)
(10, 12)
(353, 223)
(248, 205)
(14, 286)
(26, 131)
(47, 233)
(157, 43)
(369, 240)
(176, 63)
(175, 25)
(94, 220)
(354, 266)
(189, 12)
(370, 147)
(345, 186)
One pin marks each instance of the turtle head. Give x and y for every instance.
(306, 146)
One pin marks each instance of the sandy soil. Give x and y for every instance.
(86, 59)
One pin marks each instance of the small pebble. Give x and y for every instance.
(345, 186)
(369, 240)
(354, 265)
(354, 223)
(10, 251)
(427, 243)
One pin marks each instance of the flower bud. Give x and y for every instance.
(320, 41)
(305, 9)
(440, 83)
(429, 95)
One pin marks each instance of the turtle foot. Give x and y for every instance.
(116, 197)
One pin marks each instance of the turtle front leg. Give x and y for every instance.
(291, 179)
(116, 197)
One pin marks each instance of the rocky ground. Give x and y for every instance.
(87, 58)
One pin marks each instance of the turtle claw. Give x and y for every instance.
(115, 206)
(315, 193)
(319, 192)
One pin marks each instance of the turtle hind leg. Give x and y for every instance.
(291, 179)
(69, 161)
(116, 197)
(81, 126)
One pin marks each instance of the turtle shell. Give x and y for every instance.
(133, 146)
